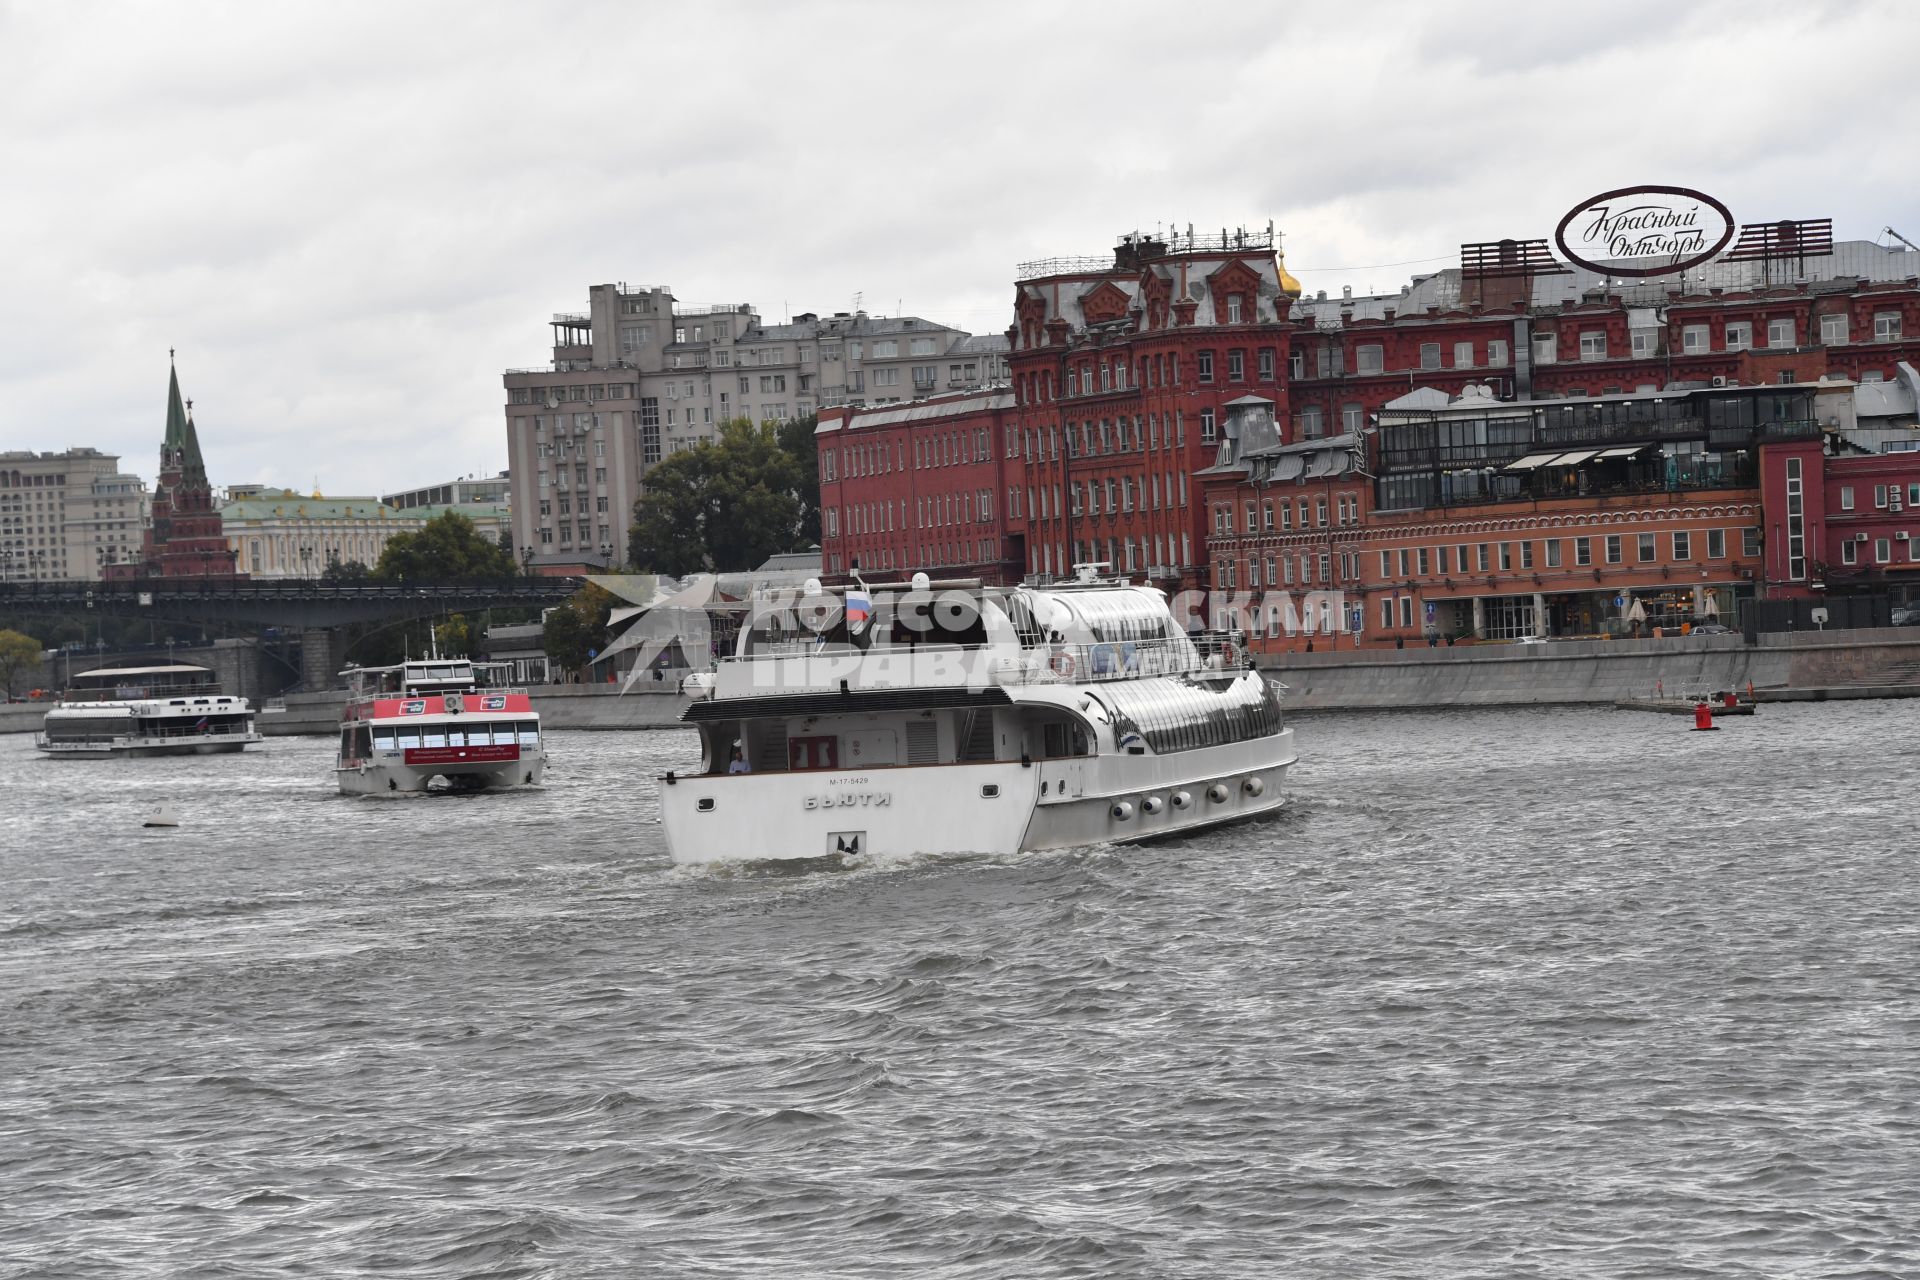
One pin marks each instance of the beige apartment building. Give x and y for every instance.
(67, 516)
(637, 377)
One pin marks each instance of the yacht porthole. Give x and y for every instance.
(705, 804)
(1255, 786)
(1123, 810)
(1181, 799)
(1152, 805)
(990, 790)
(1217, 793)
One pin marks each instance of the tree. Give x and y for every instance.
(454, 637)
(446, 549)
(577, 630)
(17, 653)
(721, 506)
(344, 572)
(796, 440)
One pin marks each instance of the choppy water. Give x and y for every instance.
(1505, 994)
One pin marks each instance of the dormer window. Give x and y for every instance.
(1233, 308)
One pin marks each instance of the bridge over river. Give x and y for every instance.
(307, 605)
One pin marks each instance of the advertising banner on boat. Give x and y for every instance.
(494, 754)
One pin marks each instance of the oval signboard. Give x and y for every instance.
(1645, 231)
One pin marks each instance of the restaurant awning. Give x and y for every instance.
(1572, 459)
(1531, 461)
(1626, 452)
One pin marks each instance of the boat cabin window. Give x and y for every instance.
(383, 739)
(409, 737)
(529, 733)
(1062, 738)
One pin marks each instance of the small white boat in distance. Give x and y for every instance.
(932, 718)
(172, 710)
(445, 718)
(164, 816)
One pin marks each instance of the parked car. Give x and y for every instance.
(1531, 640)
(1711, 629)
(1906, 617)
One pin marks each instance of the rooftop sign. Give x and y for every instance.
(1645, 231)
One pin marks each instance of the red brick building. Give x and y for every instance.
(185, 538)
(1122, 369)
(918, 486)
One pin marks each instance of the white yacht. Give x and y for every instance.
(929, 718)
(172, 710)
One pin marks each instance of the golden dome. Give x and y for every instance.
(1288, 285)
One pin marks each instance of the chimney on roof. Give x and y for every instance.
(1346, 291)
(1390, 314)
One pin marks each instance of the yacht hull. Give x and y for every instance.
(997, 807)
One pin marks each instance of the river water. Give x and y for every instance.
(1504, 993)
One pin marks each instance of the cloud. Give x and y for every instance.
(350, 218)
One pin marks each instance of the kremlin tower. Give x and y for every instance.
(185, 540)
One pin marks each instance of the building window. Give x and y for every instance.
(1205, 359)
(1429, 355)
(1716, 544)
(1297, 365)
(1506, 557)
(1497, 353)
(1206, 426)
(1749, 542)
(1846, 497)
(1694, 339)
(1593, 345)
(1647, 552)
(1882, 550)
(1613, 548)
(1739, 335)
(1482, 557)
(1367, 359)
(1463, 355)
(1682, 546)
(1526, 555)
(1546, 348)
(1583, 551)
(1780, 333)
(1645, 342)
(1267, 364)
(1849, 552)
(1833, 329)
(1886, 326)
(1236, 366)
(1233, 308)
(1553, 553)
(1310, 425)
(1353, 417)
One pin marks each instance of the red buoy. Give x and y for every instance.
(1703, 716)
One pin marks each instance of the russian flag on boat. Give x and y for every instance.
(859, 607)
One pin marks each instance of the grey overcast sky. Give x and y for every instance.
(350, 218)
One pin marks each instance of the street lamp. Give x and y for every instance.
(606, 555)
(526, 559)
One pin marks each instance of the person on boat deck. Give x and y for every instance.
(739, 763)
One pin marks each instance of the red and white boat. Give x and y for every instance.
(437, 718)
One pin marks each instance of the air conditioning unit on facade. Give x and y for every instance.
(1859, 537)
(1717, 380)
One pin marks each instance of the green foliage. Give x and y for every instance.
(446, 549)
(18, 653)
(730, 504)
(345, 572)
(454, 637)
(579, 625)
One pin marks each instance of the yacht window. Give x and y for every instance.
(529, 734)
(383, 739)
(434, 736)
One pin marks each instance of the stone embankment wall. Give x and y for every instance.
(1835, 664)
(1866, 663)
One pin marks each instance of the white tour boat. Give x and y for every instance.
(173, 710)
(444, 718)
(957, 718)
